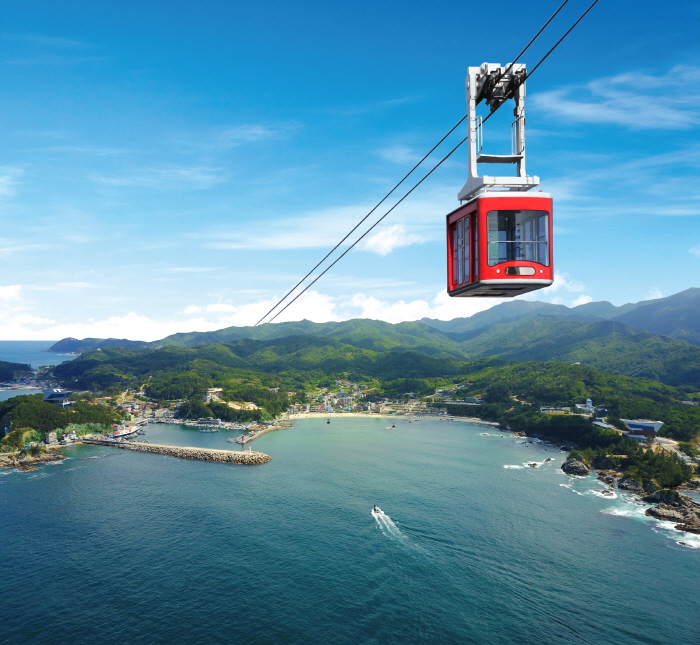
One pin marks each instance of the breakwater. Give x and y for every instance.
(183, 452)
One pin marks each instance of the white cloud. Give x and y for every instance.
(629, 100)
(86, 149)
(399, 154)
(556, 294)
(695, 250)
(229, 137)
(193, 178)
(442, 307)
(389, 238)
(420, 220)
(47, 41)
(654, 294)
(191, 269)
(192, 309)
(626, 189)
(221, 308)
(8, 180)
(10, 292)
(17, 248)
(562, 281)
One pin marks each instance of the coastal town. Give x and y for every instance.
(344, 398)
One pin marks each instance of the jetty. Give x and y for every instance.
(183, 452)
(258, 431)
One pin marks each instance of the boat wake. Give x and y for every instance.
(387, 526)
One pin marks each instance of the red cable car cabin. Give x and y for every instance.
(499, 245)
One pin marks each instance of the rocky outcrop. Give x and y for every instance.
(575, 467)
(631, 485)
(203, 454)
(24, 461)
(680, 510)
(609, 477)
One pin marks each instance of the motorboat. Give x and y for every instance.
(376, 510)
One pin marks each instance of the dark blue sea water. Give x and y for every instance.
(120, 547)
(32, 352)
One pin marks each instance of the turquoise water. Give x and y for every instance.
(114, 546)
(8, 394)
(32, 352)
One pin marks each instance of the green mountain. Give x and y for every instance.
(653, 344)
(677, 316)
(360, 332)
(606, 345)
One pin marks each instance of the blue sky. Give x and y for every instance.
(176, 166)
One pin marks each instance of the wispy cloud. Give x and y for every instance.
(326, 227)
(89, 150)
(61, 286)
(626, 188)
(229, 137)
(47, 41)
(193, 178)
(38, 49)
(636, 101)
(695, 250)
(376, 106)
(389, 238)
(54, 60)
(400, 154)
(20, 248)
(191, 269)
(10, 292)
(9, 176)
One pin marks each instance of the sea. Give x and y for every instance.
(33, 352)
(473, 545)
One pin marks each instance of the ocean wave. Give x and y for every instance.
(605, 494)
(513, 467)
(572, 489)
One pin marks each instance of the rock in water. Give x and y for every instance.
(632, 486)
(575, 467)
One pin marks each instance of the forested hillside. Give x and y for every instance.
(10, 371)
(247, 369)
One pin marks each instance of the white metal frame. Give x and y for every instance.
(495, 85)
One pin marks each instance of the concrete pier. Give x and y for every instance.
(203, 454)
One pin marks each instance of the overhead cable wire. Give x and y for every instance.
(535, 37)
(325, 257)
(544, 58)
(430, 172)
(410, 172)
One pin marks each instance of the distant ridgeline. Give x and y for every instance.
(75, 346)
(516, 352)
(623, 340)
(11, 371)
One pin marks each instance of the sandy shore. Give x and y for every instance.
(377, 415)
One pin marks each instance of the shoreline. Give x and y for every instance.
(384, 415)
(28, 462)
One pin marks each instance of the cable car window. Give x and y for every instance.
(465, 250)
(518, 235)
(457, 244)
